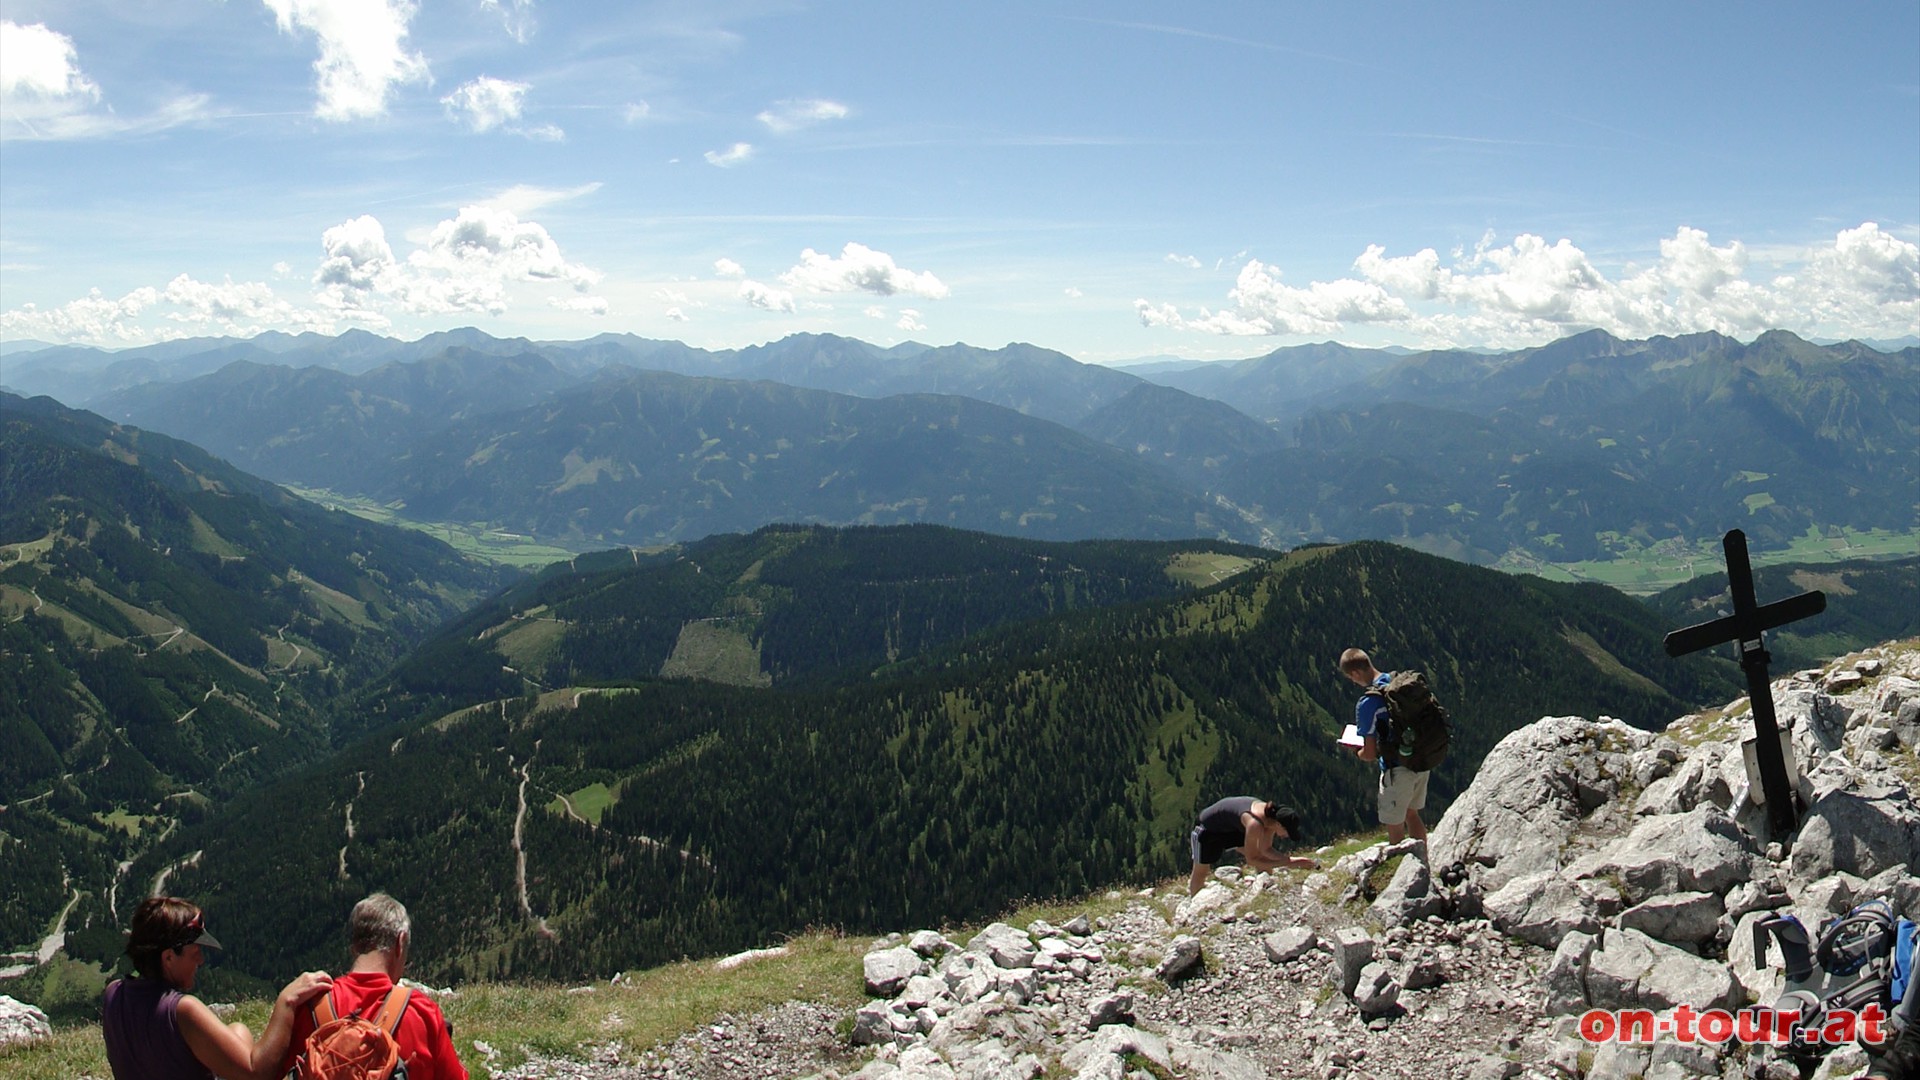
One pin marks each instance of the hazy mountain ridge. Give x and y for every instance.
(657, 458)
(1574, 450)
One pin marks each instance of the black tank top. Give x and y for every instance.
(1224, 816)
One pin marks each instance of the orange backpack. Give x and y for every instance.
(352, 1047)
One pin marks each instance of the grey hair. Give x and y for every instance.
(377, 925)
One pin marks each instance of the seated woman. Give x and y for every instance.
(155, 1030)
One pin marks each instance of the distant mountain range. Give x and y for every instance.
(1575, 450)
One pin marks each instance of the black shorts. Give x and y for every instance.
(1207, 847)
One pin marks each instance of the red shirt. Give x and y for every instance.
(426, 1042)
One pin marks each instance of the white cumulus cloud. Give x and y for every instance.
(910, 321)
(363, 52)
(185, 307)
(789, 116)
(464, 264)
(727, 268)
(480, 260)
(1187, 261)
(731, 156)
(859, 268)
(767, 297)
(358, 260)
(486, 103)
(1866, 283)
(36, 62)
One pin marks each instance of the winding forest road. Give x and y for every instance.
(160, 879)
(50, 945)
(519, 843)
(361, 790)
(34, 610)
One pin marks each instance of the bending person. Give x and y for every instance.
(1247, 825)
(156, 1030)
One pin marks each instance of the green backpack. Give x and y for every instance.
(1418, 728)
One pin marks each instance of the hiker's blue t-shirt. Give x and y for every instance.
(1368, 713)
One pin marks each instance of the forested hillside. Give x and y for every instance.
(172, 632)
(666, 817)
(1868, 602)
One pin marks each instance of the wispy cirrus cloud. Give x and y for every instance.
(1866, 282)
(733, 155)
(515, 15)
(363, 52)
(523, 199)
(784, 117)
(45, 94)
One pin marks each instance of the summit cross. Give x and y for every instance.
(1746, 626)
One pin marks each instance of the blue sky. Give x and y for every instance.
(1113, 180)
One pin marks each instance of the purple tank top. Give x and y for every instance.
(142, 1034)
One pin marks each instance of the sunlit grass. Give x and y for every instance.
(477, 539)
(641, 1010)
(1643, 571)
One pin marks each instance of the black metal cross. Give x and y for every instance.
(1745, 626)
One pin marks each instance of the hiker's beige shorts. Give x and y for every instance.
(1401, 790)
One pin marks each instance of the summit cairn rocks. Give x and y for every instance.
(1698, 851)
(1533, 791)
(1006, 946)
(888, 970)
(1633, 971)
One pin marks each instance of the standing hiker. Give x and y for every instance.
(1403, 790)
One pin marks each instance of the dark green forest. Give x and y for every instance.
(1043, 758)
(172, 633)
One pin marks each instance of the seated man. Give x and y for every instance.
(379, 933)
(1247, 825)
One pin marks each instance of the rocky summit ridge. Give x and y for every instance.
(1589, 865)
